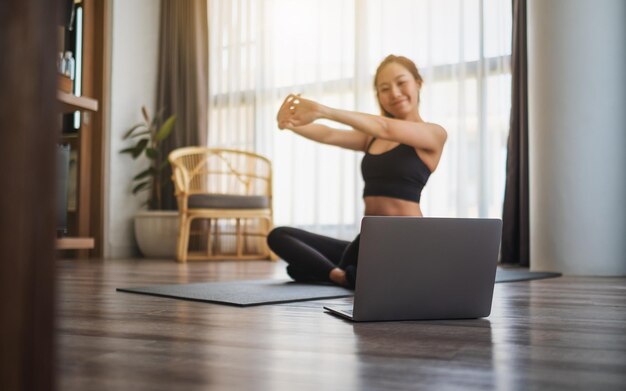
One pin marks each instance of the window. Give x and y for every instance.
(328, 50)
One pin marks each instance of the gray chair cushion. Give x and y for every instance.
(224, 201)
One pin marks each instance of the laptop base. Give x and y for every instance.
(342, 311)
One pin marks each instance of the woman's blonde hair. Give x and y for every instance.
(406, 63)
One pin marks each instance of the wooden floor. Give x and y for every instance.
(564, 333)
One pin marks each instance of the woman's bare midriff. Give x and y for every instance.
(387, 206)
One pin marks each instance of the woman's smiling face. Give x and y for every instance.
(397, 90)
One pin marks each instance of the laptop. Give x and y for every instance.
(418, 268)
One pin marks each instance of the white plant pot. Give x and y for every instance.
(156, 232)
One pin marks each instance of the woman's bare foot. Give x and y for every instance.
(338, 276)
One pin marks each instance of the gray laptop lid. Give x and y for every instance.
(426, 268)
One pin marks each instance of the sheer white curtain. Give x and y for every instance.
(328, 50)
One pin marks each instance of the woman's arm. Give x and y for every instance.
(349, 139)
(425, 136)
(297, 111)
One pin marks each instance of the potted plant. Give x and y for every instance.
(155, 229)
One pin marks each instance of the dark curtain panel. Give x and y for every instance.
(515, 230)
(183, 79)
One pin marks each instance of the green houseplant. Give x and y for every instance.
(155, 229)
(149, 135)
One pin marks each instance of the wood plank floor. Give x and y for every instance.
(563, 333)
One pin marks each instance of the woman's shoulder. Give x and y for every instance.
(438, 129)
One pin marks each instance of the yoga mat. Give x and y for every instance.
(512, 275)
(259, 292)
(245, 293)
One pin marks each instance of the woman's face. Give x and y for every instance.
(397, 90)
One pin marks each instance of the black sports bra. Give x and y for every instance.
(397, 173)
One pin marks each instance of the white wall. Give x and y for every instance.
(577, 103)
(134, 40)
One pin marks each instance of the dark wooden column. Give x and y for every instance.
(29, 129)
(96, 84)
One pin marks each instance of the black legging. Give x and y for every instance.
(311, 257)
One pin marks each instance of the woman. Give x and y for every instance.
(401, 151)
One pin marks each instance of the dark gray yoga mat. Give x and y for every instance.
(245, 293)
(521, 274)
(258, 292)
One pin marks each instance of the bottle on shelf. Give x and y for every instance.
(65, 67)
(61, 64)
(69, 65)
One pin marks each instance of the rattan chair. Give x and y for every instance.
(222, 189)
